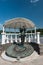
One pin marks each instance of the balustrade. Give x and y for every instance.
(29, 37)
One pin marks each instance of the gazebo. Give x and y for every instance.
(17, 23)
(23, 48)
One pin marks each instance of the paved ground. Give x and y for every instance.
(37, 61)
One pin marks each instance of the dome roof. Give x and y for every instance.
(19, 22)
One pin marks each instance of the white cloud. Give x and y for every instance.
(34, 1)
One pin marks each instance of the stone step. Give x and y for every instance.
(40, 44)
(41, 49)
(41, 53)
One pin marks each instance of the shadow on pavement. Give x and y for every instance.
(35, 46)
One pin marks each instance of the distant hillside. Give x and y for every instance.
(0, 31)
(38, 30)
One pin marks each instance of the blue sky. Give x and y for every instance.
(31, 9)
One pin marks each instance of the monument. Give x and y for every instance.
(19, 49)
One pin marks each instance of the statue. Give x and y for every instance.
(22, 31)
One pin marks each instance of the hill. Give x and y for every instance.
(38, 30)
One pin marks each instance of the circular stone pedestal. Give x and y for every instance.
(19, 51)
(33, 56)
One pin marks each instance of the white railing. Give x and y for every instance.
(30, 37)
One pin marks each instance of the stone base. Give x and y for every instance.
(33, 56)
